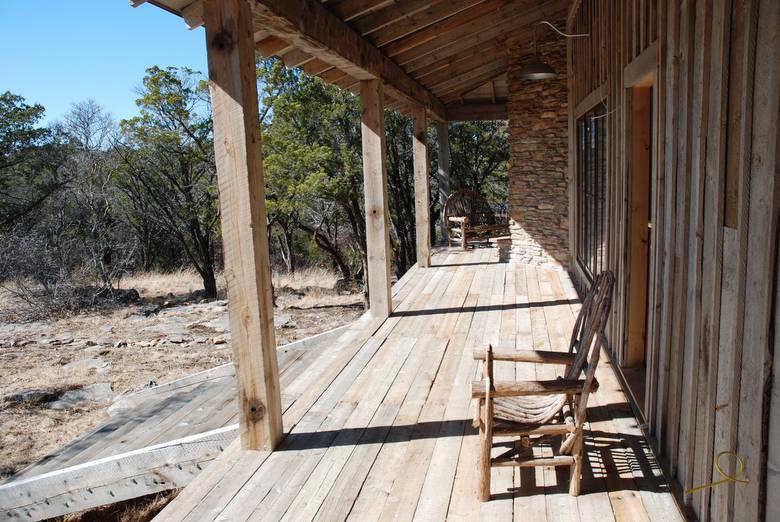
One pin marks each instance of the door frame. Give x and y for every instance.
(643, 72)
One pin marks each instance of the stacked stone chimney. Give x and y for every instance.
(538, 150)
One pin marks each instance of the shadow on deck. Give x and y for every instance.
(380, 427)
(378, 419)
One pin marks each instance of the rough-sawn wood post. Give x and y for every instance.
(422, 198)
(231, 58)
(375, 191)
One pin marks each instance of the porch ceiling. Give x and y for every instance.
(442, 54)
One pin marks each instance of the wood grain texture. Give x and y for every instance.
(316, 31)
(375, 191)
(233, 90)
(710, 279)
(389, 437)
(422, 197)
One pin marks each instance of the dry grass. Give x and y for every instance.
(6, 298)
(140, 509)
(187, 280)
(157, 284)
(306, 278)
(315, 287)
(137, 349)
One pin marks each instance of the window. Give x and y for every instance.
(591, 190)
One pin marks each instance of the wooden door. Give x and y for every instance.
(641, 175)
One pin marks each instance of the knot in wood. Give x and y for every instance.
(223, 41)
(255, 411)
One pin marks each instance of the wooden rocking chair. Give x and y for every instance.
(536, 410)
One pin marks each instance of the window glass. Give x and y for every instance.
(591, 190)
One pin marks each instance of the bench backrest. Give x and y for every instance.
(471, 204)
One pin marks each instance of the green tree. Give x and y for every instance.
(480, 158)
(68, 248)
(31, 159)
(312, 161)
(400, 181)
(168, 166)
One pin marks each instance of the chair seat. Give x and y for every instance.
(484, 229)
(500, 425)
(528, 410)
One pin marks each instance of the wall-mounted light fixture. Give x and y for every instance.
(536, 69)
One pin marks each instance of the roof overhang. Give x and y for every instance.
(449, 56)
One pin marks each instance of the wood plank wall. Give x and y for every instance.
(715, 220)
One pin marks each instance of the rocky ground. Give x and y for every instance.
(58, 376)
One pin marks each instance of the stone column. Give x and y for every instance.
(538, 152)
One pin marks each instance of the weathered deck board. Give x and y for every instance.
(158, 439)
(380, 427)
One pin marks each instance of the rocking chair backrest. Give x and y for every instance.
(471, 204)
(591, 322)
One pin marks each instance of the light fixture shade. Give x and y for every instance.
(536, 69)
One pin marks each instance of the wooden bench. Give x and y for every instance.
(468, 217)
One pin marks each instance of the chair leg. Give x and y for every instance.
(486, 444)
(576, 468)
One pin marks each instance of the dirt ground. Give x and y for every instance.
(166, 335)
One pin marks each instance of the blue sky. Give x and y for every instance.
(56, 52)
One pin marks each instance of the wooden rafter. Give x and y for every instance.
(464, 83)
(432, 56)
(316, 67)
(273, 46)
(296, 58)
(575, 5)
(448, 63)
(380, 18)
(412, 45)
(476, 111)
(334, 75)
(349, 9)
(308, 25)
(193, 14)
(412, 23)
(499, 23)
(462, 67)
(462, 90)
(444, 26)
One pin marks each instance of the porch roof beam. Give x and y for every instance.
(476, 111)
(309, 26)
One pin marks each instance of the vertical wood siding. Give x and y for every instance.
(713, 259)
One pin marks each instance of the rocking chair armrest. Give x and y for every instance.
(459, 219)
(526, 388)
(531, 356)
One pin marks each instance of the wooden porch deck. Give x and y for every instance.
(379, 424)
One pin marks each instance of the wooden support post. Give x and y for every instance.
(231, 58)
(443, 174)
(422, 198)
(375, 191)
